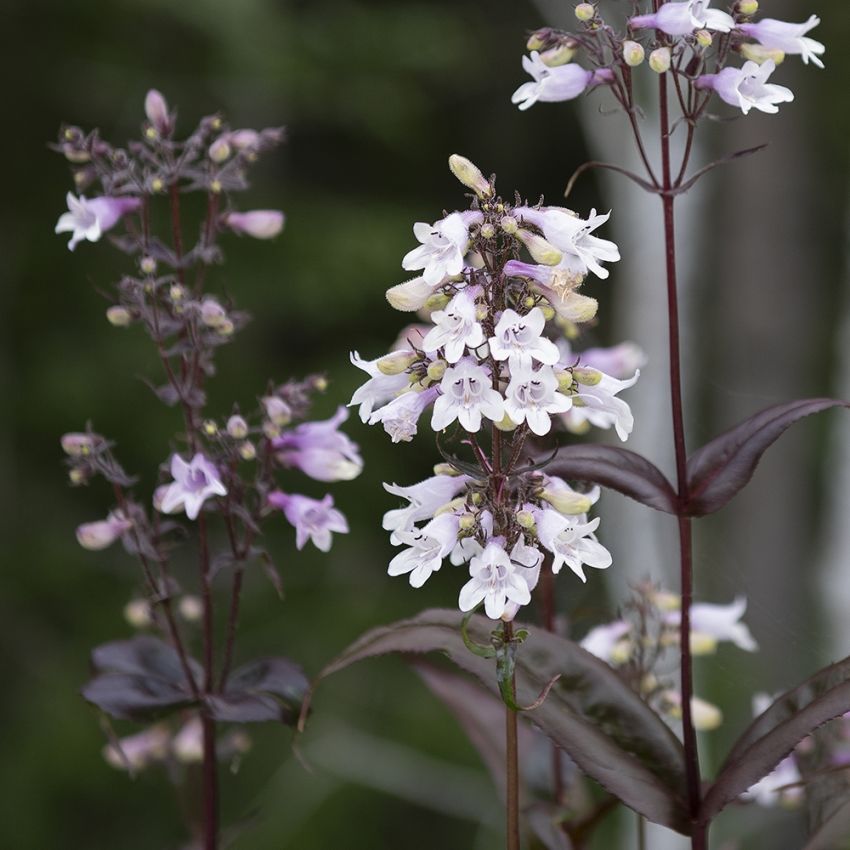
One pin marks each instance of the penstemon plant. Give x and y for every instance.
(496, 361)
(220, 483)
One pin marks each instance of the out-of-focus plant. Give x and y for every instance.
(222, 472)
(515, 510)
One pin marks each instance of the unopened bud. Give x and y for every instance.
(588, 377)
(540, 250)
(176, 292)
(277, 410)
(748, 7)
(476, 499)
(436, 370)
(561, 54)
(216, 187)
(397, 362)
(759, 54)
(261, 224)
(270, 430)
(446, 469)
(156, 110)
(219, 150)
(481, 312)
(621, 652)
(659, 60)
(538, 40)
(487, 231)
(247, 451)
(506, 424)
(95, 536)
(213, 315)
(237, 427)
(706, 716)
(470, 175)
(565, 501)
(226, 328)
(565, 381)
(148, 265)
(210, 427)
(77, 444)
(585, 12)
(548, 312)
(320, 383)
(704, 38)
(451, 507)
(648, 683)
(77, 477)
(633, 53)
(509, 225)
(436, 301)
(137, 613)
(466, 522)
(525, 519)
(157, 185)
(703, 644)
(191, 608)
(665, 601)
(188, 743)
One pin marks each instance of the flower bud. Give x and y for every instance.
(748, 7)
(216, 187)
(237, 427)
(507, 424)
(588, 377)
(277, 410)
(397, 362)
(437, 301)
(270, 430)
(77, 477)
(226, 328)
(247, 451)
(95, 536)
(188, 743)
(77, 444)
(565, 381)
(261, 224)
(470, 175)
(539, 39)
(148, 265)
(659, 60)
(757, 53)
(156, 110)
(488, 231)
(476, 498)
(446, 469)
(565, 501)
(410, 295)
(633, 53)
(621, 652)
(558, 55)
(137, 613)
(466, 522)
(702, 644)
(210, 427)
(540, 250)
(436, 370)
(320, 383)
(191, 608)
(547, 311)
(704, 38)
(213, 315)
(451, 507)
(665, 601)
(525, 519)
(585, 12)
(706, 716)
(481, 312)
(509, 225)
(219, 150)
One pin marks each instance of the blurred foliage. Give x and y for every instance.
(376, 95)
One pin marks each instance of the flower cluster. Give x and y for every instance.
(686, 38)
(495, 382)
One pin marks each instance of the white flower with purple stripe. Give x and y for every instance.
(518, 339)
(427, 547)
(571, 540)
(532, 397)
(90, 219)
(467, 395)
(457, 328)
(443, 247)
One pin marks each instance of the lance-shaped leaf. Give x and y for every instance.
(721, 468)
(620, 469)
(775, 732)
(610, 733)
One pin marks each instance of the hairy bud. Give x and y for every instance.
(446, 469)
(704, 38)
(748, 7)
(470, 175)
(540, 250)
(585, 12)
(659, 60)
(565, 501)
(757, 53)
(437, 369)
(237, 427)
(633, 53)
(397, 362)
(560, 54)
(588, 377)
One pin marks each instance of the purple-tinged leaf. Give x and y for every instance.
(721, 468)
(775, 732)
(242, 707)
(135, 697)
(620, 469)
(544, 820)
(277, 676)
(604, 726)
(143, 655)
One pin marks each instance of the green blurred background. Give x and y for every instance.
(375, 96)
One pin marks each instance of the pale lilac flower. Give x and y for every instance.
(747, 87)
(98, 535)
(443, 247)
(457, 328)
(557, 285)
(518, 340)
(138, 751)
(498, 579)
(712, 623)
(600, 406)
(787, 37)
(532, 396)
(378, 390)
(400, 417)
(424, 500)
(608, 642)
(467, 394)
(428, 547)
(582, 252)
(78, 444)
(618, 361)
(313, 519)
(320, 450)
(261, 224)
(89, 219)
(563, 82)
(571, 541)
(194, 483)
(682, 18)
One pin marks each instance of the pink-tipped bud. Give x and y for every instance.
(659, 60)
(261, 224)
(213, 315)
(244, 139)
(118, 316)
(77, 444)
(277, 410)
(156, 110)
(633, 53)
(98, 535)
(237, 427)
(585, 12)
(220, 150)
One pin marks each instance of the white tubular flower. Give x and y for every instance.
(713, 623)
(682, 18)
(456, 328)
(618, 361)
(553, 84)
(518, 340)
(467, 394)
(600, 406)
(378, 390)
(424, 499)
(89, 219)
(502, 582)
(582, 252)
(747, 87)
(443, 247)
(400, 417)
(789, 38)
(532, 396)
(428, 547)
(410, 296)
(608, 642)
(564, 499)
(571, 541)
